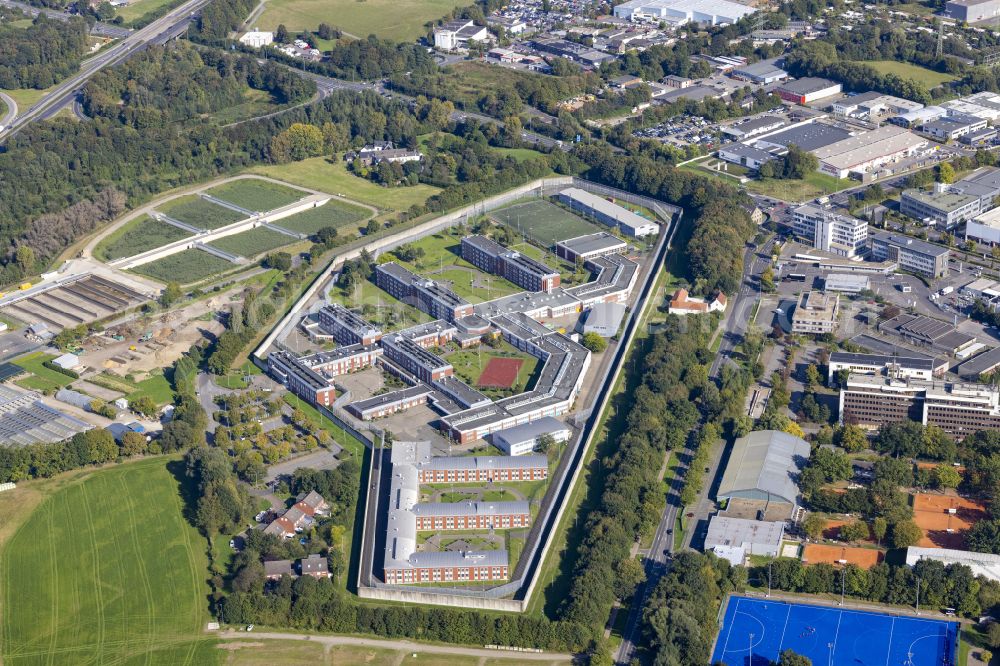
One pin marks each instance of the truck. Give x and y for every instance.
(946, 290)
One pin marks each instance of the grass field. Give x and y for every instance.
(379, 307)
(333, 213)
(253, 242)
(813, 185)
(255, 194)
(544, 222)
(41, 378)
(905, 70)
(140, 8)
(189, 266)
(331, 176)
(199, 213)
(401, 20)
(106, 570)
(469, 365)
(25, 98)
(137, 236)
(156, 387)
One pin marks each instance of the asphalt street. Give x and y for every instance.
(11, 113)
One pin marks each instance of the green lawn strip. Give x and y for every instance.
(333, 213)
(43, 377)
(156, 387)
(341, 436)
(331, 176)
(126, 577)
(253, 242)
(189, 266)
(200, 213)
(137, 236)
(256, 194)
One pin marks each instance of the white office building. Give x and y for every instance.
(842, 235)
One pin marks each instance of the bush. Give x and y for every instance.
(55, 368)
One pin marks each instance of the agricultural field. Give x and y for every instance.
(137, 236)
(189, 265)
(200, 213)
(401, 20)
(124, 574)
(334, 213)
(544, 222)
(905, 70)
(253, 242)
(41, 378)
(256, 194)
(331, 176)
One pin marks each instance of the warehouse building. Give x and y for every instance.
(910, 253)
(867, 152)
(953, 126)
(734, 539)
(522, 440)
(680, 12)
(942, 207)
(959, 409)
(918, 329)
(984, 228)
(897, 367)
(608, 213)
(590, 246)
(807, 136)
(807, 90)
(873, 103)
(748, 156)
(762, 73)
(522, 270)
(764, 466)
(751, 128)
(972, 11)
(825, 230)
(846, 283)
(977, 366)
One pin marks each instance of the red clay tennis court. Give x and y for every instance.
(500, 373)
(865, 558)
(945, 519)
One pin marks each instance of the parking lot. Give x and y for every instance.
(682, 131)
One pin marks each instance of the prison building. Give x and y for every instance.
(346, 327)
(301, 379)
(614, 278)
(522, 270)
(590, 246)
(608, 213)
(415, 359)
(391, 402)
(435, 333)
(424, 294)
(482, 469)
(472, 515)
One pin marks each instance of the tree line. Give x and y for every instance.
(42, 54)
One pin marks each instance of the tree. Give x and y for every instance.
(133, 444)
(851, 438)
(946, 173)
(813, 525)
(594, 342)
(545, 443)
(281, 261)
(281, 35)
(171, 294)
(813, 378)
(767, 280)
(24, 256)
(854, 531)
(296, 143)
(879, 527)
(905, 533)
(143, 405)
(791, 658)
(984, 537)
(946, 476)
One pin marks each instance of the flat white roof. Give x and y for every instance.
(869, 146)
(990, 218)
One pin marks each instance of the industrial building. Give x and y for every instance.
(873, 103)
(984, 228)
(910, 253)
(825, 230)
(953, 126)
(426, 295)
(764, 467)
(942, 207)
(816, 313)
(751, 128)
(762, 73)
(985, 105)
(807, 136)
(977, 366)
(897, 367)
(734, 539)
(919, 329)
(590, 246)
(458, 34)
(522, 439)
(846, 283)
(957, 408)
(608, 213)
(518, 268)
(806, 90)
(679, 12)
(983, 183)
(867, 152)
(748, 156)
(972, 11)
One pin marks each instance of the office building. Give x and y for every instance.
(816, 313)
(522, 440)
(953, 126)
(606, 212)
(424, 294)
(872, 103)
(911, 254)
(458, 34)
(983, 183)
(832, 232)
(748, 156)
(806, 90)
(751, 128)
(959, 409)
(942, 207)
(520, 269)
(897, 367)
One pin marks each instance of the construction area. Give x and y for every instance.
(67, 304)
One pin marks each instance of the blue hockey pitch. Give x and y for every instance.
(755, 631)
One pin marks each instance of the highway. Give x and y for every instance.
(11, 113)
(657, 562)
(100, 29)
(159, 31)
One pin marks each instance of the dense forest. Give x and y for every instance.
(180, 84)
(41, 54)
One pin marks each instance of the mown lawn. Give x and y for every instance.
(42, 378)
(137, 236)
(156, 387)
(906, 70)
(107, 570)
(401, 20)
(331, 176)
(813, 185)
